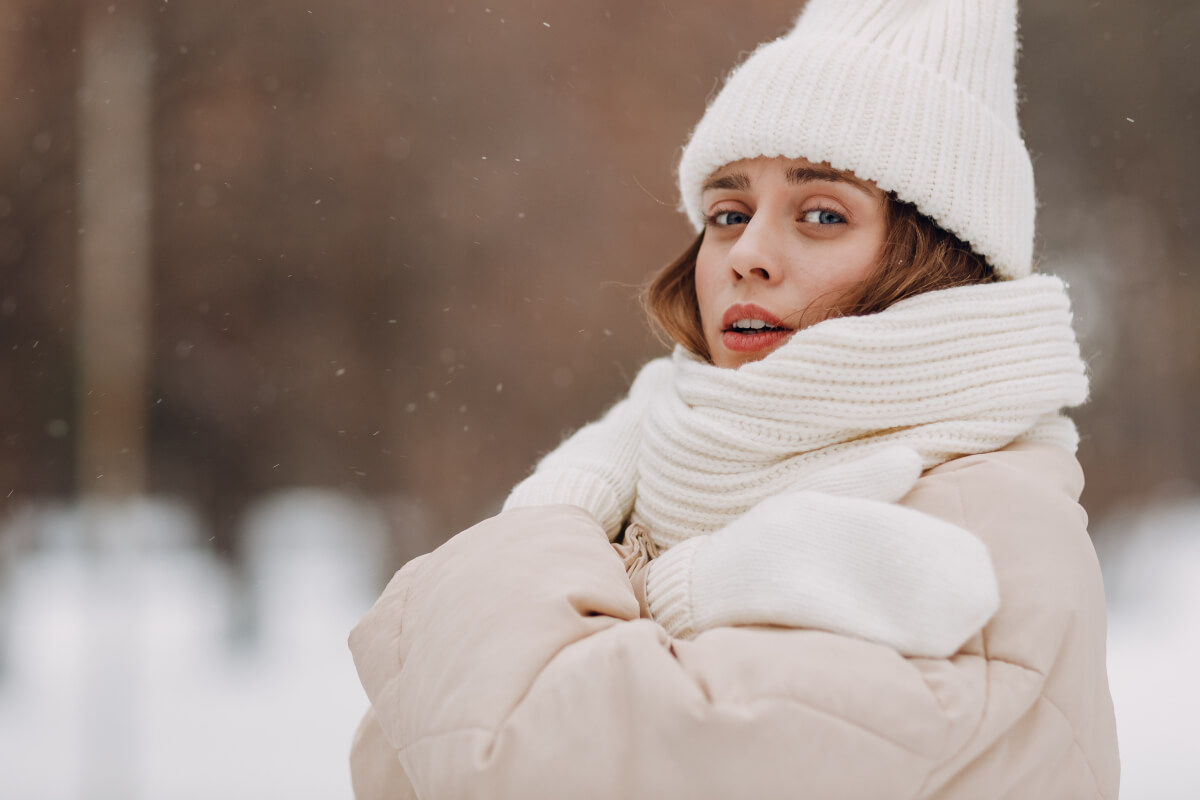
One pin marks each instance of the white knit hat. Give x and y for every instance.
(918, 96)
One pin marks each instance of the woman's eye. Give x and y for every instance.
(821, 216)
(725, 218)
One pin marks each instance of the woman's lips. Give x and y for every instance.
(750, 340)
(748, 311)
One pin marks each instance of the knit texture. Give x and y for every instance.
(757, 548)
(849, 565)
(918, 96)
(769, 489)
(946, 374)
(596, 468)
(949, 373)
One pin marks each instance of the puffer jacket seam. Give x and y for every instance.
(1075, 741)
(987, 663)
(983, 712)
(520, 701)
(715, 706)
(1018, 665)
(453, 732)
(785, 698)
(494, 733)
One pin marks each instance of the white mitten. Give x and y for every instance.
(886, 475)
(855, 566)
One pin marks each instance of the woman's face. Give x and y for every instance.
(785, 242)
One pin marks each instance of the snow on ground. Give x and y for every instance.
(134, 664)
(1152, 581)
(145, 671)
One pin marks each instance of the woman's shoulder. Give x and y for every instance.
(1029, 476)
(1023, 502)
(1038, 467)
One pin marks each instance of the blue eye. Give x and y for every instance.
(821, 216)
(725, 218)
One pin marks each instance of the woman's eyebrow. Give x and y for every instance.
(734, 181)
(739, 182)
(811, 173)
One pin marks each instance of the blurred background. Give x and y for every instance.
(292, 292)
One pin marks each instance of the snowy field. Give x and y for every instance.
(154, 672)
(133, 664)
(1152, 582)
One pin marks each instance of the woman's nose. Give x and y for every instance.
(755, 254)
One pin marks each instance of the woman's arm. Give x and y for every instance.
(513, 665)
(837, 554)
(848, 565)
(596, 468)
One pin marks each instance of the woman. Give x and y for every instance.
(859, 309)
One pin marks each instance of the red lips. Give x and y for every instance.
(751, 341)
(749, 311)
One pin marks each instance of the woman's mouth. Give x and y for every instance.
(744, 341)
(748, 328)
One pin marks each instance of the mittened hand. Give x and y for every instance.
(834, 552)
(857, 567)
(886, 476)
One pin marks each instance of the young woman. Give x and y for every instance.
(858, 440)
(787, 244)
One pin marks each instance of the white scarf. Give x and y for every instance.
(947, 373)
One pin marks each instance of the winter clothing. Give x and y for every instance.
(514, 661)
(511, 663)
(746, 455)
(807, 559)
(918, 96)
(947, 373)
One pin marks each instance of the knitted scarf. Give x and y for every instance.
(948, 373)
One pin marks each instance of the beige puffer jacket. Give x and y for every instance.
(512, 663)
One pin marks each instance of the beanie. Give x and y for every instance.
(918, 96)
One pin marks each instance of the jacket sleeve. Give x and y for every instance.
(375, 771)
(596, 467)
(511, 663)
(1045, 726)
(849, 565)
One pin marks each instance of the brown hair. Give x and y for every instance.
(917, 256)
